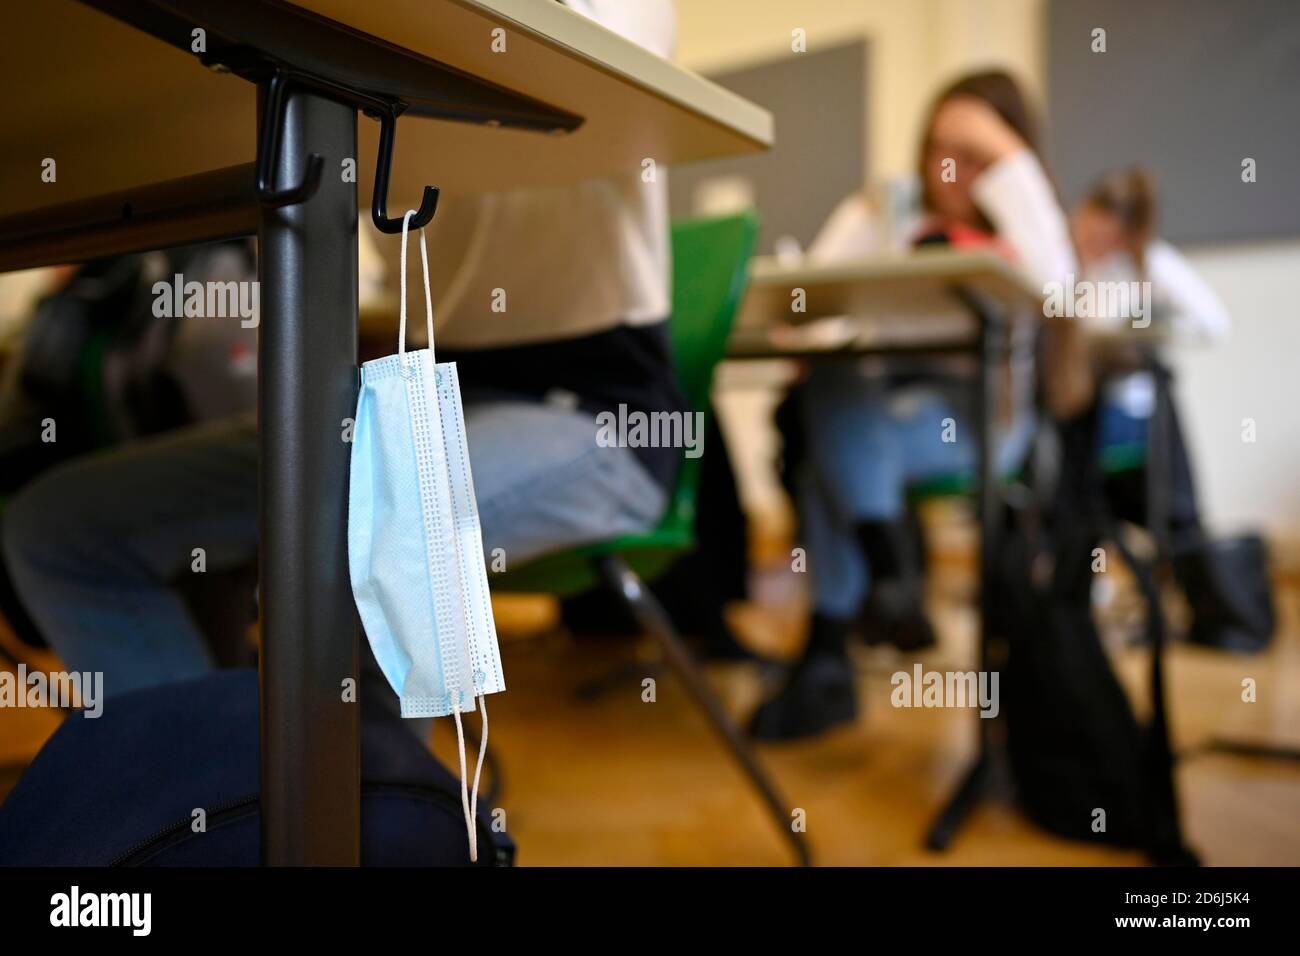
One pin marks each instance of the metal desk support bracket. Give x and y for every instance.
(274, 88)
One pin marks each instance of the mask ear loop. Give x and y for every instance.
(428, 297)
(478, 770)
(468, 805)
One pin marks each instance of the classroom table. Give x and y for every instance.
(152, 111)
(933, 301)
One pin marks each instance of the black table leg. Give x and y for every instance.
(1167, 836)
(307, 264)
(975, 781)
(960, 805)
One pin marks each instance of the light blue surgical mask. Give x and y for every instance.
(415, 549)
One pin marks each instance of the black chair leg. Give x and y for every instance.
(652, 617)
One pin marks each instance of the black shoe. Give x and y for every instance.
(818, 695)
(894, 614)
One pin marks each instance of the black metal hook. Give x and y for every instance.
(383, 166)
(272, 123)
(386, 111)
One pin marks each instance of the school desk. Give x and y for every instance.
(132, 125)
(927, 302)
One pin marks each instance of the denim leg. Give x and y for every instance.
(544, 484)
(836, 565)
(94, 545)
(868, 442)
(1117, 427)
(851, 442)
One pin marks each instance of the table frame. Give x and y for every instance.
(988, 347)
(307, 387)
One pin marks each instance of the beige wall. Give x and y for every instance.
(916, 47)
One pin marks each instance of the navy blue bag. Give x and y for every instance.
(119, 790)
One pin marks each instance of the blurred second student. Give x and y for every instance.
(1114, 232)
(1225, 580)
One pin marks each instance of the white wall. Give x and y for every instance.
(1256, 375)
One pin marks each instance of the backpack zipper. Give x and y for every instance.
(135, 853)
(140, 846)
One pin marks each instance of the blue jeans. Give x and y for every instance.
(867, 441)
(94, 546)
(1117, 428)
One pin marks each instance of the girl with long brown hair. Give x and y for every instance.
(869, 435)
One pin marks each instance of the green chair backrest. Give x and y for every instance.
(710, 270)
(710, 267)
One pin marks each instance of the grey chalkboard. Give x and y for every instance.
(1189, 88)
(818, 99)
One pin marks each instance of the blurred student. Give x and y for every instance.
(1114, 232)
(1225, 580)
(870, 433)
(95, 547)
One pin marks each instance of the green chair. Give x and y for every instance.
(1129, 456)
(710, 269)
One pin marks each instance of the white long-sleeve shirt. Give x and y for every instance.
(1180, 300)
(1017, 197)
(1014, 193)
(574, 259)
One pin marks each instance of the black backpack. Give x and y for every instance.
(1075, 745)
(1227, 584)
(121, 789)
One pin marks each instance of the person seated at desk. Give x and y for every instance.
(98, 364)
(869, 431)
(95, 545)
(1114, 231)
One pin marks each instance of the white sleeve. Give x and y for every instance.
(1195, 312)
(648, 23)
(848, 233)
(1017, 197)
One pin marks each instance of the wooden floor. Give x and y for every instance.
(621, 781)
(624, 782)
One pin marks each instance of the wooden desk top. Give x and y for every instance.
(907, 282)
(883, 303)
(117, 107)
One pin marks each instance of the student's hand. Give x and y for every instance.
(972, 130)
